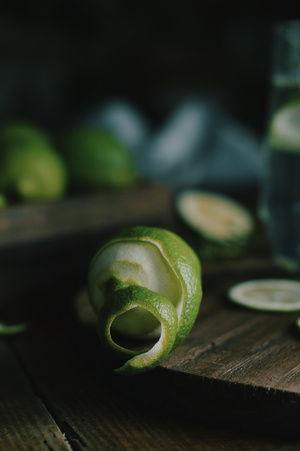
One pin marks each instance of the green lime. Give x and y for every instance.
(21, 133)
(284, 132)
(12, 329)
(3, 201)
(96, 159)
(145, 282)
(222, 225)
(32, 172)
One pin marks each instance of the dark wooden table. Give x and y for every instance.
(56, 392)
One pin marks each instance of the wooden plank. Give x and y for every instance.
(223, 375)
(32, 223)
(237, 365)
(93, 415)
(25, 422)
(256, 350)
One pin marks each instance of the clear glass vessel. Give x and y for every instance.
(280, 194)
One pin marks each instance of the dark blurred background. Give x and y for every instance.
(61, 57)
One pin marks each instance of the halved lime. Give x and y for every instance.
(277, 295)
(284, 131)
(222, 224)
(145, 282)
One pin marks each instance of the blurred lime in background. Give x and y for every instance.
(96, 159)
(3, 201)
(30, 167)
(19, 133)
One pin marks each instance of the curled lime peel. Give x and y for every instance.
(123, 298)
(145, 284)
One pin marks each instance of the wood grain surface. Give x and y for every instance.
(53, 399)
(228, 387)
(237, 366)
(70, 217)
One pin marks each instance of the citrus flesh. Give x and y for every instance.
(277, 295)
(145, 282)
(96, 159)
(284, 132)
(214, 216)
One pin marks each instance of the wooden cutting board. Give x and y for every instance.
(237, 368)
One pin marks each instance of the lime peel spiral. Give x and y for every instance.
(145, 283)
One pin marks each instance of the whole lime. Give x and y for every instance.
(21, 133)
(3, 201)
(31, 172)
(96, 159)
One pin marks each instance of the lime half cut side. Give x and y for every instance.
(284, 132)
(215, 216)
(277, 295)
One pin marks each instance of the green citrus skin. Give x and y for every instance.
(3, 201)
(21, 133)
(32, 172)
(30, 167)
(145, 282)
(12, 329)
(97, 160)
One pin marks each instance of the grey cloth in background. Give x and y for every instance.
(199, 145)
